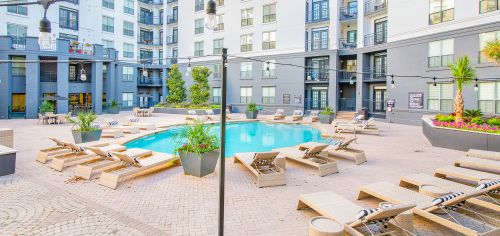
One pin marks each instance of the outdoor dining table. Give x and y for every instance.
(142, 112)
(53, 118)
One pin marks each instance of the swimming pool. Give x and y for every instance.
(240, 136)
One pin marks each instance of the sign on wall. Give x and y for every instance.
(286, 98)
(390, 103)
(415, 100)
(297, 99)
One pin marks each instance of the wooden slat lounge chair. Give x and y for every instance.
(279, 115)
(479, 164)
(112, 124)
(314, 116)
(297, 115)
(474, 176)
(429, 210)
(343, 150)
(46, 154)
(309, 154)
(141, 125)
(490, 155)
(332, 205)
(78, 155)
(210, 115)
(135, 167)
(421, 180)
(112, 133)
(106, 161)
(262, 165)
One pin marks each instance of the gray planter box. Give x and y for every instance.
(83, 137)
(326, 119)
(252, 114)
(113, 110)
(199, 165)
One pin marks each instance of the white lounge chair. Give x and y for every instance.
(45, 154)
(309, 154)
(479, 164)
(132, 121)
(279, 115)
(343, 150)
(113, 124)
(475, 176)
(262, 165)
(297, 115)
(314, 116)
(490, 155)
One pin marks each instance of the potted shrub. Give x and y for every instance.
(198, 149)
(82, 130)
(113, 107)
(47, 106)
(252, 111)
(327, 115)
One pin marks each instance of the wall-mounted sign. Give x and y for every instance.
(286, 98)
(415, 100)
(297, 99)
(390, 103)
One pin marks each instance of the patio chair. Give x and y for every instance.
(150, 111)
(210, 115)
(279, 115)
(111, 133)
(192, 115)
(479, 164)
(132, 121)
(105, 160)
(477, 177)
(262, 165)
(314, 116)
(343, 150)
(42, 119)
(452, 205)
(297, 115)
(77, 155)
(61, 148)
(136, 112)
(424, 182)
(133, 167)
(113, 124)
(490, 155)
(354, 217)
(308, 154)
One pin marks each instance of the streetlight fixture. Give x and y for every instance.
(188, 69)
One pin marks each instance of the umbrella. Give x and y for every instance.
(54, 98)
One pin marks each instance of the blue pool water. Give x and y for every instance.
(240, 137)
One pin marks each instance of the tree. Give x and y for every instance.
(492, 51)
(463, 74)
(200, 89)
(175, 84)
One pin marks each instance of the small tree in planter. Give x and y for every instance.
(47, 106)
(82, 130)
(252, 111)
(113, 107)
(198, 149)
(463, 74)
(327, 115)
(175, 84)
(199, 90)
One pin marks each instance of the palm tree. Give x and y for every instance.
(492, 51)
(463, 74)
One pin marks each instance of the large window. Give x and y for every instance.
(488, 5)
(68, 18)
(268, 95)
(269, 40)
(127, 99)
(128, 28)
(108, 4)
(218, 45)
(319, 11)
(246, 95)
(246, 41)
(484, 38)
(199, 5)
(108, 43)
(269, 69)
(440, 97)
(246, 70)
(216, 95)
(128, 6)
(199, 26)
(441, 11)
(219, 22)
(18, 66)
(441, 53)
(199, 49)
(21, 10)
(217, 74)
(128, 50)
(269, 13)
(489, 97)
(18, 35)
(247, 17)
(319, 39)
(108, 24)
(128, 73)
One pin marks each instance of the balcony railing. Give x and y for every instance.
(141, 81)
(313, 18)
(316, 45)
(171, 39)
(150, 42)
(80, 48)
(348, 13)
(77, 79)
(347, 104)
(375, 39)
(51, 47)
(153, 2)
(156, 20)
(375, 6)
(371, 74)
(346, 76)
(171, 19)
(173, 60)
(346, 45)
(48, 76)
(18, 42)
(171, 1)
(317, 75)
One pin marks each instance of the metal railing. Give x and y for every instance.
(315, 104)
(375, 39)
(347, 104)
(48, 76)
(346, 76)
(345, 44)
(153, 2)
(79, 48)
(317, 75)
(375, 106)
(18, 42)
(348, 13)
(155, 20)
(171, 39)
(172, 19)
(375, 6)
(372, 74)
(149, 81)
(314, 18)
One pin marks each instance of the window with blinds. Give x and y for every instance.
(489, 97)
(440, 97)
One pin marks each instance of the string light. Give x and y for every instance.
(351, 79)
(434, 83)
(393, 85)
(144, 71)
(268, 66)
(188, 69)
(476, 87)
(83, 75)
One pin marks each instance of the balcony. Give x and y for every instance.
(173, 60)
(347, 104)
(171, 39)
(48, 76)
(348, 13)
(18, 43)
(149, 82)
(171, 19)
(317, 75)
(79, 48)
(151, 20)
(373, 7)
(345, 44)
(315, 18)
(150, 42)
(346, 76)
(317, 45)
(375, 39)
(152, 2)
(374, 75)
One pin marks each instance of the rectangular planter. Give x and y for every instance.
(199, 165)
(7, 161)
(84, 137)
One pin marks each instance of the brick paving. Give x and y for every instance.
(40, 201)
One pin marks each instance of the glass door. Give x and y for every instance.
(381, 31)
(319, 98)
(380, 64)
(379, 96)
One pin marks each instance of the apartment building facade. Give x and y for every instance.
(341, 53)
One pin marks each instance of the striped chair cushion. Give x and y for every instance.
(487, 185)
(445, 198)
(112, 123)
(133, 119)
(365, 212)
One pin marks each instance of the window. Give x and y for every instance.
(246, 95)
(198, 49)
(441, 53)
(218, 45)
(108, 4)
(320, 39)
(269, 40)
(18, 67)
(217, 75)
(108, 24)
(440, 97)
(246, 70)
(108, 43)
(198, 26)
(20, 10)
(247, 17)
(199, 5)
(319, 11)
(216, 95)
(128, 28)
(18, 35)
(489, 97)
(352, 36)
(160, 57)
(268, 95)
(484, 38)
(441, 11)
(246, 43)
(488, 5)
(269, 69)
(68, 18)
(269, 13)
(219, 22)
(70, 37)
(219, 3)
(128, 50)
(128, 73)
(128, 6)
(128, 99)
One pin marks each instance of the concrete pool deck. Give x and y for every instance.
(40, 201)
